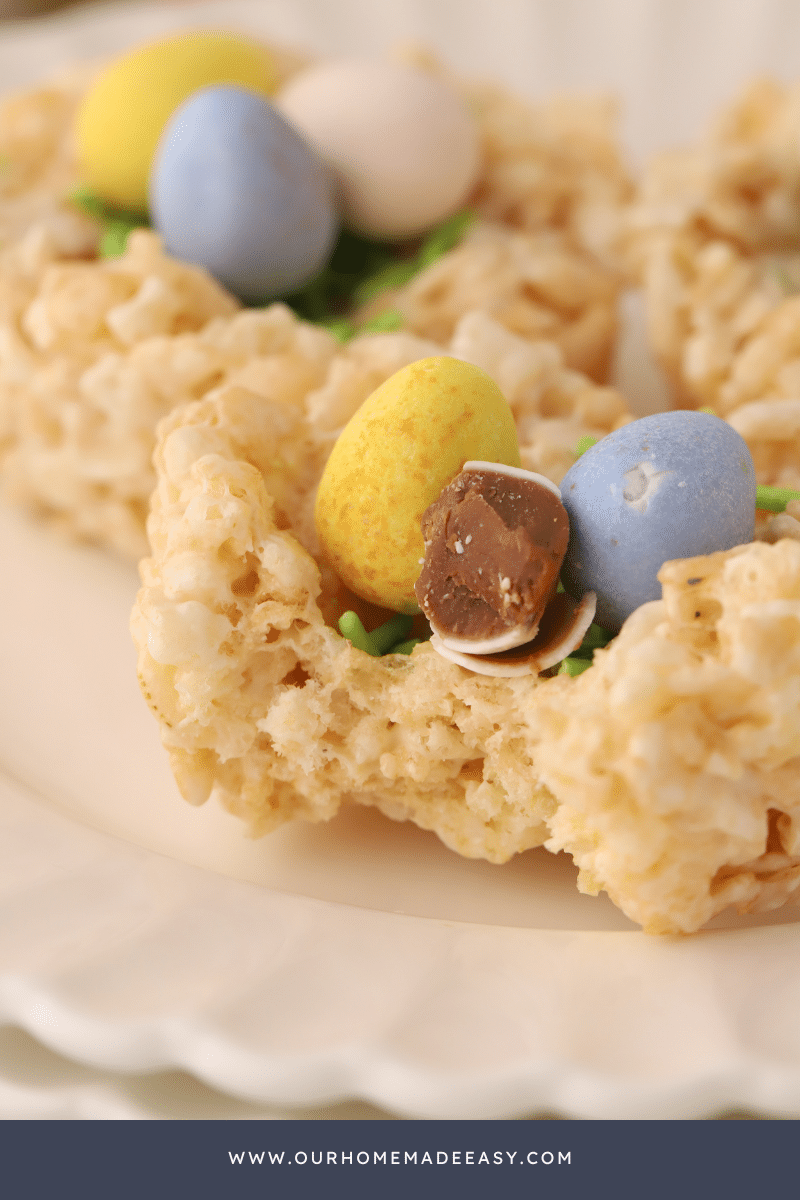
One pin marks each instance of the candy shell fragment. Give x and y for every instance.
(561, 630)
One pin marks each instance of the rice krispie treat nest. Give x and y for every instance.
(94, 352)
(714, 235)
(94, 359)
(259, 698)
(670, 769)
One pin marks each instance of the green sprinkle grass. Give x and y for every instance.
(774, 499)
(583, 444)
(574, 666)
(115, 224)
(389, 638)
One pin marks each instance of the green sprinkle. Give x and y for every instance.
(707, 409)
(350, 627)
(444, 238)
(342, 329)
(574, 666)
(86, 200)
(89, 203)
(774, 499)
(384, 322)
(583, 444)
(383, 640)
(115, 224)
(405, 647)
(396, 629)
(595, 638)
(395, 274)
(114, 239)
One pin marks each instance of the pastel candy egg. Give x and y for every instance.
(401, 143)
(122, 117)
(408, 440)
(673, 485)
(235, 190)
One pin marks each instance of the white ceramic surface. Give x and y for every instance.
(360, 959)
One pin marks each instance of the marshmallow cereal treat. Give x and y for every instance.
(327, 344)
(101, 351)
(144, 229)
(715, 239)
(280, 690)
(664, 760)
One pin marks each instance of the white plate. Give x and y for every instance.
(361, 958)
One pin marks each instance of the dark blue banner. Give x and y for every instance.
(381, 1160)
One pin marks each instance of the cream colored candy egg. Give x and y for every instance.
(402, 144)
(123, 115)
(406, 442)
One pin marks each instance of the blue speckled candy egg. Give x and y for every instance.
(672, 485)
(235, 189)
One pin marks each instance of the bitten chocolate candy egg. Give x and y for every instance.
(402, 145)
(403, 445)
(123, 115)
(668, 486)
(494, 542)
(235, 190)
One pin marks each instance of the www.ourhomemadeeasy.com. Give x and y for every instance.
(400, 1158)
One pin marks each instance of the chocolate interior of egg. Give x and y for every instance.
(494, 544)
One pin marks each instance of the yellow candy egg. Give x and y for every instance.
(407, 441)
(121, 118)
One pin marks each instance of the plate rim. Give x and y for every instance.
(85, 1004)
(260, 1039)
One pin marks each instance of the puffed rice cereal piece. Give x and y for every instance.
(260, 700)
(675, 759)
